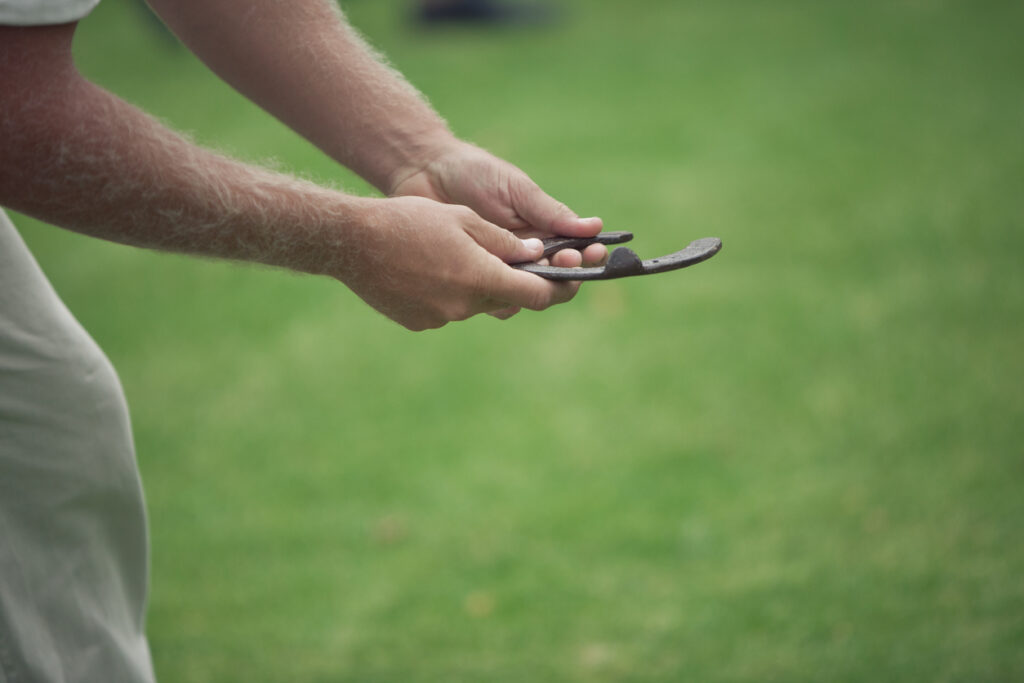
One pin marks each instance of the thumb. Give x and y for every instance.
(503, 243)
(545, 213)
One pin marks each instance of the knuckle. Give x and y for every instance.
(443, 312)
(561, 208)
(566, 291)
(459, 311)
(509, 242)
(571, 292)
(478, 283)
(463, 213)
(538, 300)
(522, 190)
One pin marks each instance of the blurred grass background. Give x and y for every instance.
(801, 460)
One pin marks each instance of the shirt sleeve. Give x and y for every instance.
(40, 12)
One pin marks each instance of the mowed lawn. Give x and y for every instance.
(799, 461)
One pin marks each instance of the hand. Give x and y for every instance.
(462, 173)
(424, 264)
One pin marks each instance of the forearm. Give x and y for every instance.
(76, 156)
(301, 62)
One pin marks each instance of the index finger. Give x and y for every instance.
(545, 213)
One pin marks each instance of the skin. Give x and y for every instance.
(433, 251)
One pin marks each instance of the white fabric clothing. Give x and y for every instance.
(73, 543)
(74, 555)
(41, 12)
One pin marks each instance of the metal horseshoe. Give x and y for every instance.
(623, 262)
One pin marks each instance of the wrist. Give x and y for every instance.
(316, 231)
(420, 156)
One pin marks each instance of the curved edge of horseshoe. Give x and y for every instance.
(623, 262)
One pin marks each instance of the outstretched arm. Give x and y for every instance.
(304, 64)
(74, 155)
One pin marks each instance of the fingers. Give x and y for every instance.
(595, 255)
(451, 266)
(505, 290)
(567, 258)
(545, 213)
(592, 255)
(517, 288)
(509, 290)
(501, 242)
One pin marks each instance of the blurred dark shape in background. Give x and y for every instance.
(432, 13)
(483, 12)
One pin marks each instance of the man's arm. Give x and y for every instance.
(74, 155)
(304, 64)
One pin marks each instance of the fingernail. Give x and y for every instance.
(533, 244)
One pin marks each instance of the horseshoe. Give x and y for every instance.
(623, 262)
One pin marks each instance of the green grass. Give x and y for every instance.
(799, 461)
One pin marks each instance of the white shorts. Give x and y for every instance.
(73, 544)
